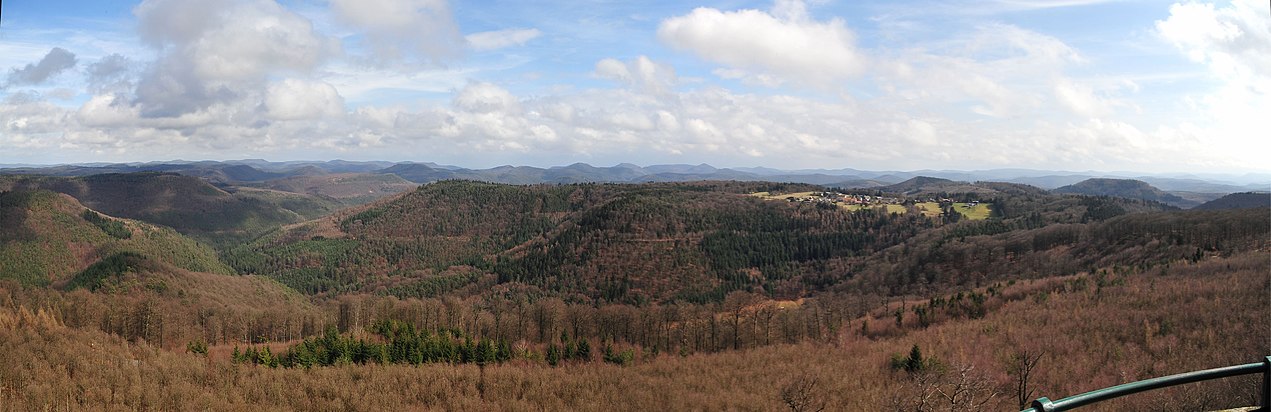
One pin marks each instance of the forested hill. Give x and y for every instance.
(923, 185)
(591, 241)
(48, 238)
(188, 204)
(1125, 188)
(1245, 200)
(698, 241)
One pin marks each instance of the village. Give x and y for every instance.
(929, 206)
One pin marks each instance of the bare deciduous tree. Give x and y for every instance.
(1020, 365)
(803, 395)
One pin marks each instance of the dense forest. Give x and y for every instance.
(187, 204)
(471, 295)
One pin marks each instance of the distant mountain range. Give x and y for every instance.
(1125, 188)
(1247, 200)
(314, 176)
(260, 170)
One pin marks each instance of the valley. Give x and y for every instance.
(551, 296)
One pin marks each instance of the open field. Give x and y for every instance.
(783, 196)
(890, 208)
(980, 211)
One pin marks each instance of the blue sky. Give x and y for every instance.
(1056, 84)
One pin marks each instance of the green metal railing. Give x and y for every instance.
(1043, 404)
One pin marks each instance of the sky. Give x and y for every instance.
(1078, 85)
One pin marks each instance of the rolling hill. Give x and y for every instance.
(188, 204)
(698, 276)
(631, 243)
(698, 241)
(1125, 188)
(347, 188)
(1246, 200)
(48, 238)
(928, 186)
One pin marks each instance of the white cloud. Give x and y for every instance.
(217, 54)
(1081, 99)
(784, 42)
(642, 73)
(242, 40)
(55, 62)
(997, 70)
(403, 31)
(294, 99)
(1048, 4)
(486, 98)
(498, 39)
(113, 72)
(1234, 43)
(244, 78)
(106, 111)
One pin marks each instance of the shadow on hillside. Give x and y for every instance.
(13, 215)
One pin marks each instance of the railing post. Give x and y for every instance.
(1266, 385)
(1043, 404)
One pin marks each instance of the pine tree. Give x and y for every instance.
(553, 355)
(915, 363)
(584, 350)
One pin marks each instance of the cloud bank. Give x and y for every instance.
(782, 87)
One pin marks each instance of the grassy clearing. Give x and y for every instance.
(890, 208)
(929, 209)
(978, 212)
(783, 196)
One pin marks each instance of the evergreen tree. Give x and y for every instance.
(915, 362)
(584, 350)
(553, 354)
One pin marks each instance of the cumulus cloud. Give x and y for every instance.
(1234, 40)
(220, 52)
(498, 39)
(1234, 43)
(403, 31)
(55, 62)
(239, 40)
(997, 70)
(250, 77)
(294, 99)
(111, 72)
(486, 98)
(1081, 99)
(783, 42)
(642, 73)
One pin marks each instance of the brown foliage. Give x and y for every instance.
(1104, 335)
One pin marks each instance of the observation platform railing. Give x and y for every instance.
(1044, 404)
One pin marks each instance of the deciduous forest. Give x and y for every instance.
(159, 291)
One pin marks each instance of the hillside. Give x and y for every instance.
(347, 188)
(188, 204)
(975, 253)
(923, 185)
(1246, 200)
(597, 242)
(47, 238)
(697, 242)
(1194, 189)
(974, 355)
(1125, 188)
(648, 283)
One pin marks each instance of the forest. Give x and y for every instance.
(591, 296)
